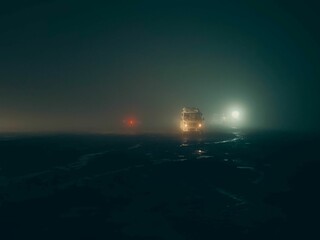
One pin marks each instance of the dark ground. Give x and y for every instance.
(223, 185)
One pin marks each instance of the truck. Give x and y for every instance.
(191, 120)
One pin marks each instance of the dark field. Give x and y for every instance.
(224, 185)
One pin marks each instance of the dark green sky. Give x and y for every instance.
(86, 65)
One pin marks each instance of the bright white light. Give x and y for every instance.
(200, 125)
(235, 114)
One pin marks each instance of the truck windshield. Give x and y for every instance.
(192, 116)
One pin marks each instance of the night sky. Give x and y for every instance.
(88, 65)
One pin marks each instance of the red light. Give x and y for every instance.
(130, 122)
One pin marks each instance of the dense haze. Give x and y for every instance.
(88, 65)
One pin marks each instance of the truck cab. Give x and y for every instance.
(191, 120)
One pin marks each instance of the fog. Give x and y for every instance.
(80, 67)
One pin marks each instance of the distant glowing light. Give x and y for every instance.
(200, 125)
(130, 122)
(235, 114)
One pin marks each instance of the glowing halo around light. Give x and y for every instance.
(235, 114)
